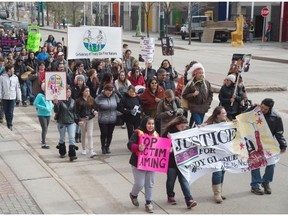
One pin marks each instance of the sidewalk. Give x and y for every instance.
(27, 185)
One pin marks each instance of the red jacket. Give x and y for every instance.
(139, 81)
(148, 101)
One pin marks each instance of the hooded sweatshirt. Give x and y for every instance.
(133, 143)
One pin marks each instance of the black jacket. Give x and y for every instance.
(83, 110)
(133, 142)
(150, 73)
(66, 111)
(127, 104)
(19, 70)
(226, 94)
(172, 162)
(275, 124)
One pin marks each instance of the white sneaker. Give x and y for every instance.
(149, 208)
(92, 154)
(84, 152)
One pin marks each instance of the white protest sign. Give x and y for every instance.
(94, 42)
(147, 48)
(56, 85)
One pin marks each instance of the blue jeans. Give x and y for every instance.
(26, 90)
(197, 118)
(71, 132)
(267, 177)
(170, 183)
(78, 129)
(218, 177)
(8, 109)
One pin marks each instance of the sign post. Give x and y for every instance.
(264, 14)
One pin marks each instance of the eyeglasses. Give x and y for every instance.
(81, 66)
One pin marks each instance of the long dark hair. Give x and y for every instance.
(95, 80)
(178, 120)
(149, 83)
(213, 117)
(90, 99)
(166, 61)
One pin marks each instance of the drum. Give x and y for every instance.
(24, 76)
(30, 68)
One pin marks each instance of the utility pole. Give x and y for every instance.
(42, 11)
(190, 22)
(129, 12)
(161, 12)
(84, 18)
(227, 10)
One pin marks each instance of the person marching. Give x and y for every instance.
(44, 111)
(9, 92)
(219, 115)
(230, 96)
(275, 124)
(65, 112)
(180, 123)
(106, 104)
(198, 93)
(251, 32)
(142, 178)
(85, 111)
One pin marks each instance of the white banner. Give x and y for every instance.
(147, 47)
(234, 147)
(94, 42)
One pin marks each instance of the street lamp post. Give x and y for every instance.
(161, 12)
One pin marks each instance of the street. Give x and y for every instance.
(102, 185)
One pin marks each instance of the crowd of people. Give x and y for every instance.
(119, 90)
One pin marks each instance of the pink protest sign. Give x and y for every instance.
(155, 156)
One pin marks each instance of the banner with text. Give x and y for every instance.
(155, 156)
(9, 44)
(147, 48)
(234, 147)
(94, 42)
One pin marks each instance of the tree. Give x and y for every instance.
(147, 6)
(167, 8)
(74, 7)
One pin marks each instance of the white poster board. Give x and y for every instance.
(55, 87)
(94, 42)
(147, 47)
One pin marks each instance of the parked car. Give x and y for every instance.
(7, 25)
(4, 14)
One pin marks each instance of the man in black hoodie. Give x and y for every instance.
(275, 124)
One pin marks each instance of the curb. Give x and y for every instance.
(216, 88)
(284, 61)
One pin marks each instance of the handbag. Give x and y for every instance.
(119, 120)
(184, 102)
